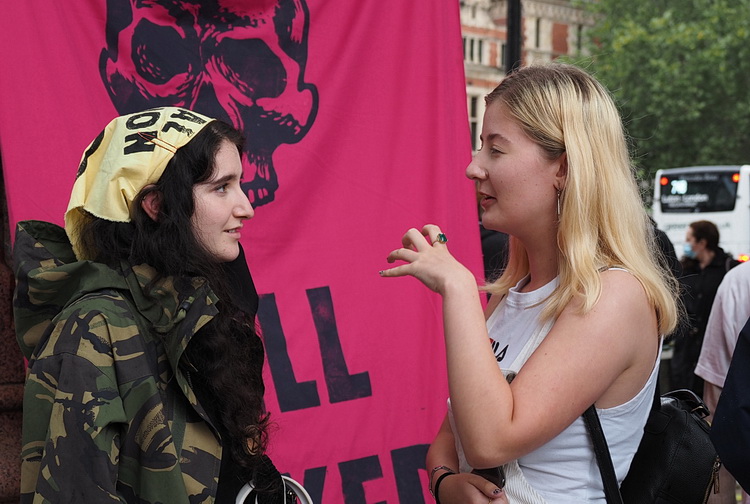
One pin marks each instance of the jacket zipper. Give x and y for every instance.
(714, 481)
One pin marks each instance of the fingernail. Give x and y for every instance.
(497, 491)
(380, 272)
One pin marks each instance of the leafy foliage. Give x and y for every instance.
(680, 72)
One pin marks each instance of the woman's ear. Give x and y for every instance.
(562, 172)
(151, 203)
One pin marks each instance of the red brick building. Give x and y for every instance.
(549, 29)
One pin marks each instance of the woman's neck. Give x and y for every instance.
(543, 263)
(541, 249)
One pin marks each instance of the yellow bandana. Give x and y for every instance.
(128, 155)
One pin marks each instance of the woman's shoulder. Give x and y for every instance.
(622, 295)
(624, 305)
(621, 283)
(100, 327)
(107, 302)
(108, 314)
(94, 316)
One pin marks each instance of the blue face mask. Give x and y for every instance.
(687, 249)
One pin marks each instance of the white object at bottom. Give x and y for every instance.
(289, 483)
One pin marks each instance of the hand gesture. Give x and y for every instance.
(428, 259)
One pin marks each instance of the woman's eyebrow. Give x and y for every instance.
(226, 178)
(496, 137)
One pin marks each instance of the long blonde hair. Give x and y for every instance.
(602, 221)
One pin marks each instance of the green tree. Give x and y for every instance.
(680, 72)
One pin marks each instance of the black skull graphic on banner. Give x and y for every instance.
(238, 60)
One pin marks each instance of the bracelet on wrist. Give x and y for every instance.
(437, 485)
(436, 469)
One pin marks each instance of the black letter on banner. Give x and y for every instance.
(187, 116)
(291, 395)
(315, 478)
(135, 122)
(406, 464)
(341, 385)
(140, 144)
(356, 472)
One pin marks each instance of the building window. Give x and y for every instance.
(579, 38)
(474, 50)
(503, 56)
(474, 121)
(537, 34)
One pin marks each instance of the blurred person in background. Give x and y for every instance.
(704, 265)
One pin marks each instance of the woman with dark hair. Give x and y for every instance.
(138, 320)
(704, 265)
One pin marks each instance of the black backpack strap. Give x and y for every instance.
(601, 449)
(603, 457)
(656, 405)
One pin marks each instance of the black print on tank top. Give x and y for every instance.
(499, 353)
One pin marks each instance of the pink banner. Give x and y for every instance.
(356, 118)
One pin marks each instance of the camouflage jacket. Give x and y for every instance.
(108, 414)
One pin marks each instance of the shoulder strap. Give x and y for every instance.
(656, 405)
(601, 449)
(603, 457)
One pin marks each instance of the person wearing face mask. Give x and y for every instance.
(704, 265)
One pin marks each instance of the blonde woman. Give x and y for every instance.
(576, 317)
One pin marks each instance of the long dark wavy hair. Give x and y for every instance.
(227, 353)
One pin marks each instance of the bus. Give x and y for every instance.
(720, 194)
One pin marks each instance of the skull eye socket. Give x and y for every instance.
(149, 42)
(251, 66)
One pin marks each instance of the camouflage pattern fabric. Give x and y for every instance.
(108, 415)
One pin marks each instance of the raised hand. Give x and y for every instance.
(427, 258)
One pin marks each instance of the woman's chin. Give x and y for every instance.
(491, 224)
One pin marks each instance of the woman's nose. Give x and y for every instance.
(244, 209)
(474, 171)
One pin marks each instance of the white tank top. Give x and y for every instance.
(564, 470)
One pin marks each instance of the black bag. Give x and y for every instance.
(675, 463)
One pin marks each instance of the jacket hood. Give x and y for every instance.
(49, 277)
